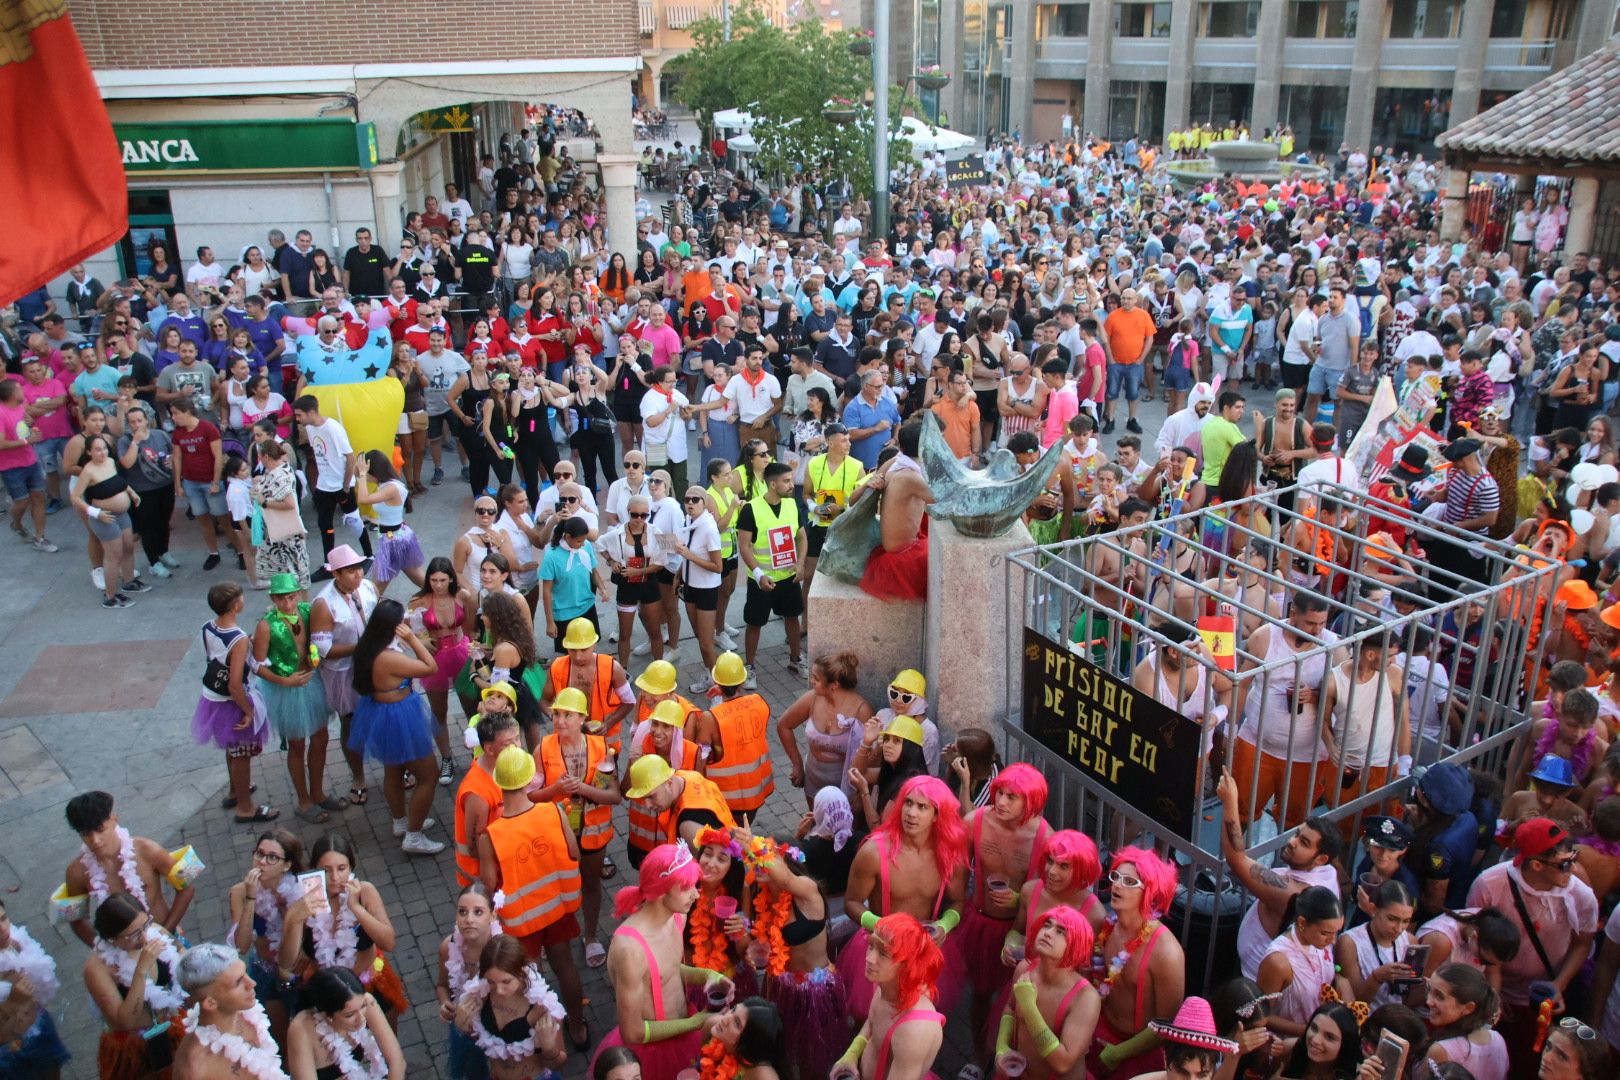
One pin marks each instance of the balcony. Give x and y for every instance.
(1062, 57)
(1512, 54)
(1224, 52)
(1419, 54)
(1152, 54)
(1318, 54)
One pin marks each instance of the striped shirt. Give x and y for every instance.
(1469, 497)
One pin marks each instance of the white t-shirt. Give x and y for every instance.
(1302, 329)
(523, 580)
(753, 402)
(1252, 939)
(617, 501)
(330, 445)
(547, 503)
(205, 275)
(672, 432)
(702, 536)
(1330, 470)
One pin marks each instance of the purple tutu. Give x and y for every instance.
(814, 1017)
(217, 722)
(396, 552)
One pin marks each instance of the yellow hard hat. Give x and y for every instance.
(729, 670)
(669, 712)
(904, 727)
(646, 774)
(659, 678)
(581, 635)
(571, 699)
(514, 769)
(504, 689)
(911, 681)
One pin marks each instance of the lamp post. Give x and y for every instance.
(880, 121)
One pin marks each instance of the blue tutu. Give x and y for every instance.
(296, 712)
(38, 1053)
(267, 986)
(216, 722)
(394, 733)
(396, 552)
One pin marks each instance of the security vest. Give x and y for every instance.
(644, 832)
(723, 500)
(743, 773)
(603, 700)
(699, 794)
(591, 822)
(479, 782)
(539, 878)
(776, 532)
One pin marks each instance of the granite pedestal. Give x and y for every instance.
(969, 632)
(887, 636)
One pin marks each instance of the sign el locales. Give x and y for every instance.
(1120, 739)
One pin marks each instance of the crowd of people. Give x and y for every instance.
(633, 428)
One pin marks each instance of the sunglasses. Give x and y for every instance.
(1578, 1029)
(693, 499)
(1563, 866)
(639, 517)
(568, 498)
(1124, 880)
(484, 510)
(902, 696)
(633, 465)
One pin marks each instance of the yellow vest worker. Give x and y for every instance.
(591, 821)
(645, 834)
(743, 770)
(531, 855)
(606, 696)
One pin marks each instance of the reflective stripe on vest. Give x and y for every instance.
(700, 793)
(785, 514)
(724, 499)
(596, 819)
(479, 782)
(539, 878)
(644, 834)
(744, 773)
(603, 698)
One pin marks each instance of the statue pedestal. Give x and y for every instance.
(968, 628)
(887, 636)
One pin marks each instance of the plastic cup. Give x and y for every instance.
(688, 1074)
(1013, 1064)
(1370, 881)
(840, 1072)
(725, 907)
(1541, 992)
(996, 884)
(1017, 953)
(719, 998)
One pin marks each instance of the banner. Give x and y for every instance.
(966, 172)
(1118, 738)
(59, 164)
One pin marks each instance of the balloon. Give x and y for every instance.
(1608, 474)
(1581, 520)
(321, 366)
(368, 411)
(352, 385)
(1586, 476)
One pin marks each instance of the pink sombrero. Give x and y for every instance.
(1194, 1025)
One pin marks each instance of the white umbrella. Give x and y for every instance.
(736, 119)
(743, 144)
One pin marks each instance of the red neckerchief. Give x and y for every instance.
(753, 378)
(669, 395)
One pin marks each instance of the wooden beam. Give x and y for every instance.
(1533, 166)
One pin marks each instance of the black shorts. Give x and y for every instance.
(632, 594)
(665, 577)
(702, 599)
(1295, 376)
(987, 405)
(728, 566)
(785, 600)
(817, 535)
(627, 412)
(442, 424)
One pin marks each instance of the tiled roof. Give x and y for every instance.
(1572, 115)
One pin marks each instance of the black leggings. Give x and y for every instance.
(532, 453)
(151, 521)
(327, 506)
(478, 458)
(597, 444)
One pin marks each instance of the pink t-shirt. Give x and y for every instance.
(1097, 365)
(1559, 914)
(666, 343)
(1061, 407)
(54, 424)
(15, 457)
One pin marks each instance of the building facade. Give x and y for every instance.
(1340, 72)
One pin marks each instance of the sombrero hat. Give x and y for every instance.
(1194, 1025)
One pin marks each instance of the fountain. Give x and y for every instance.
(1244, 159)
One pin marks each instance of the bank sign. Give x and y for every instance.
(315, 145)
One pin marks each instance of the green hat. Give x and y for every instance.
(283, 583)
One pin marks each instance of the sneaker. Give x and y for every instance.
(641, 649)
(726, 641)
(418, 844)
(700, 687)
(117, 601)
(54, 506)
(212, 560)
(400, 826)
(161, 571)
(796, 668)
(42, 544)
(438, 477)
(447, 770)
(1108, 427)
(1133, 427)
(732, 631)
(169, 560)
(137, 586)
(750, 683)
(98, 578)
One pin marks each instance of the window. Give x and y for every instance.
(1229, 20)
(1507, 19)
(1142, 20)
(1423, 18)
(1065, 21)
(1322, 19)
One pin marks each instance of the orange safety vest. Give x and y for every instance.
(593, 824)
(1320, 540)
(540, 880)
(602, 699)
(744, 773)
(479, 782)
(644, 832)
(700, 794)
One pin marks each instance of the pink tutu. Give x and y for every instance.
(814, 1016)
(661, 1060)
(216, 722)
(1105, 1036)
(852, 973)
(451, 657)
(973, 952)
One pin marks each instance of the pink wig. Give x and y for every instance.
(1021, 779)
(1158, 878)
(1075, 928)
(1075, 848)
(666, 867)
(949, 834)
(919, 959)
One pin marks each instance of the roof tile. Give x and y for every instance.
(1568, 115)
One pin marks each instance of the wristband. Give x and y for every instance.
(869, 920)
(947, 922)
(93, 513)
(758, 575)
(1004, 1033)
(1013, 940)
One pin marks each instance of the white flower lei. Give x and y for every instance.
(337, 941)
(536, 992)
(273, 913)
(455, 964)
(342, 1047)
(129, 871)
(262, 1061)
(28, 958)
(122, 965)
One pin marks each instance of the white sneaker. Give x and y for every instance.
(417, 844)
(700, 687)
(732, 631)
(98, 578)
(642, 649)
(400, 826)
(750, 683)
(726, 641)
(169, 560)
(159, 570)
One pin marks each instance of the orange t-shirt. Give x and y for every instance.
(1128, 332)
(694, 286)
(959, 422)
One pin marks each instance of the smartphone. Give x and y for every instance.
(1392, 1051)
(1416, 958)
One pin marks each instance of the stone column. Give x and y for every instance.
(1021, 72)
(1178, 76)
(1454, 204)
(619, 189)
(1364, 63)
(1099, 66)
(1268, 48)
(388, 202)
(950, 58)
(1583, 200)
(1476, 34)
(1595, 26)
(969, 637)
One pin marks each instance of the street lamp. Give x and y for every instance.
(880, 114)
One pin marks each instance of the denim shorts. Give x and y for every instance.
(23, 479)
(1127, 377)
(49, 452)
(1323, 383)
(204, 502)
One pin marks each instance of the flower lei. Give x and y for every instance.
(337, 939)
(28, 958)
(455, 964)
(129, 871)
(1121, 959)
(710, 948)
(265, 906)
(1580, 755)
(342, 1048)
(262, 1061)
(718, 1063)
(773, 908)
(535, 992)
(122, 965)
(1602, 846)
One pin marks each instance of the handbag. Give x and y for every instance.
(282, 524)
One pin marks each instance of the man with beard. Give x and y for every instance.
(1182, 428)
(904, 1031)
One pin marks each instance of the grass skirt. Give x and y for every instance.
(37, 1053)
(125, 1055)
(813, 1016)
(661, 1060)
(216, 722)
(296, 712)
(394, 733)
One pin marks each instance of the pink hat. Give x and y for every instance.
(342, 557)
(1194, 1025)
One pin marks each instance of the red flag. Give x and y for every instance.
(60, 168)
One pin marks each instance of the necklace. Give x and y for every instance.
(718, 1063)
(337, 941)
(259, 1059)
(348, 1050)
(270, 905)
(28, 958)
(455, 961)
(535, 992)
(122, 965)
(129, 871)
(1122, 959)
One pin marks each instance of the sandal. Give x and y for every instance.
(229, 801)
(580, 1043)
(595, 955)
(334, 802)
(357, 794)
(313, 814)
(609, 871)
(262, 813)
(410, 781)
